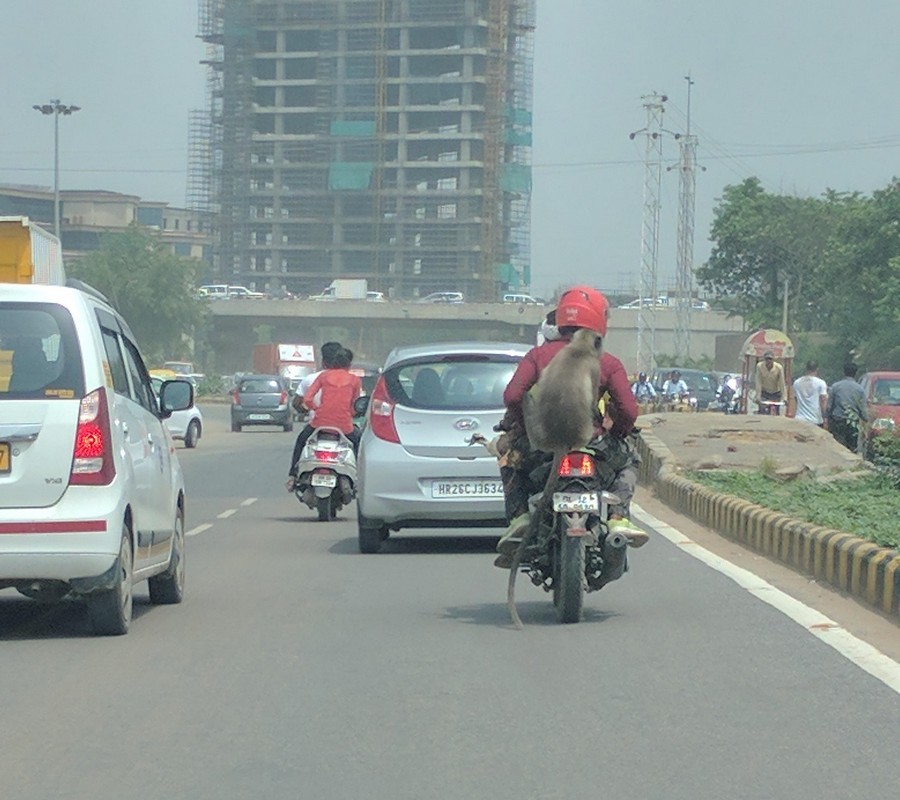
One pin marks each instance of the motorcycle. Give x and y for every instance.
(568, 548)
(326, 473)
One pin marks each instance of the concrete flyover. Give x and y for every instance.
(373, 329)
(865, 570)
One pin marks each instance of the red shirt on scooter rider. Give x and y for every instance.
(339, 388)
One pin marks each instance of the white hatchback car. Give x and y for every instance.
(91, 492)
(186, 425)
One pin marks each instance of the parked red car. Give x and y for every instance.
(883, 401)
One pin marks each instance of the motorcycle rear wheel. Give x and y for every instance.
(568, 584)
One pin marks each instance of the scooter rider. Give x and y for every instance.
(339, 389)
(579, 307)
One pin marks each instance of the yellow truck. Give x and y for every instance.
(28, 253)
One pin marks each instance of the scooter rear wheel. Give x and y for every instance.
(325, 507)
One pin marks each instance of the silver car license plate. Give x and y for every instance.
(485, 487)
(258, 416)
(581, 501)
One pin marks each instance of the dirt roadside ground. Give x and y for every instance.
(743, 442)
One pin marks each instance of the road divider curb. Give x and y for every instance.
(851, 564)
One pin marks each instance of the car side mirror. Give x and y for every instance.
(175, 395)
(360, 406)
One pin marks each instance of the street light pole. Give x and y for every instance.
(56, 108)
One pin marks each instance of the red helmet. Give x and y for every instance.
(583, 307)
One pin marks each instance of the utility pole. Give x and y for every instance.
(653, 133)
(684, 280)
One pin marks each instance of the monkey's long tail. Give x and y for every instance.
(526, 540)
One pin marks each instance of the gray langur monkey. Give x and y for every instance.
(559, 416)
(559, 410)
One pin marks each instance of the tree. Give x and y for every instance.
(153, 289)
(862, 270)
(763, 243)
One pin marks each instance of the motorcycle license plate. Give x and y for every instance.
(576, 501)
(324, 480)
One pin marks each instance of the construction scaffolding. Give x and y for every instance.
(382, 139)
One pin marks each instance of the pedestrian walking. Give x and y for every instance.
(845, 408)
(810, 396)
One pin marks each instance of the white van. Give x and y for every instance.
(92, 495)
(217, 291)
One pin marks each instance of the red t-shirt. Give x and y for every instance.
(613, 379)
(335, 408)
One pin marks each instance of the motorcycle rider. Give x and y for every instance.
(643, 390)
(330, 397)
(579, 307)
(674, 388)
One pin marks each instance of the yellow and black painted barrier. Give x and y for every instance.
(853, 565)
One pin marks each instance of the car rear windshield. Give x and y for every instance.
(453, 383)
(887, 392)
(39, 354)
(260, 386)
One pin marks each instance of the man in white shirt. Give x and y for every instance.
(810, 396)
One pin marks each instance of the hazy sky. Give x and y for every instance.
(801, 93)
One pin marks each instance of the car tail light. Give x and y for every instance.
(382, 414)
(283, 399)
(576, 465)
(236, 397)
(92, 461)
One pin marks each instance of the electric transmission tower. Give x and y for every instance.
(684, 281)
(653, 133)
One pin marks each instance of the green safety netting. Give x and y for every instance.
(518, 116)
(350, 175)
(507, 274)
(360, 128)
(516, 178)
(518, 137)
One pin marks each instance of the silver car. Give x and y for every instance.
(261, 400)
(417, 465)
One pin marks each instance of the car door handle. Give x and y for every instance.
(125, 428)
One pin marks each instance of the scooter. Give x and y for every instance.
(326, 473)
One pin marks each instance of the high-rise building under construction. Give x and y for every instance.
(379, 139)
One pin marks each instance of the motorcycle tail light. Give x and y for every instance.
(326, 455)
(576, 465)
(381, 416)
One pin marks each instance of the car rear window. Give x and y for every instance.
(260, 386)
(886, 392)
(451, 383)
(39, 354)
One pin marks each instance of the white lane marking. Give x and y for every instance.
(866, 657)
(227, 514)
(199, 529)
(249, 501)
